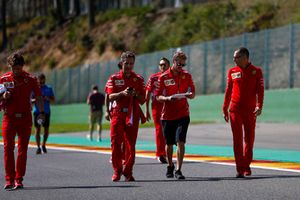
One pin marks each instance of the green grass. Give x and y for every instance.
(280, 106)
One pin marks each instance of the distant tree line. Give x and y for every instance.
(13, 11)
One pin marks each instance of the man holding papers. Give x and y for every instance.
(174, 87)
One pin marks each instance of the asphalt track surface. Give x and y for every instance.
(67, 174)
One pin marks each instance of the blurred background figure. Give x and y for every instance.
(96, 101)
(48, 97)
(156, 106)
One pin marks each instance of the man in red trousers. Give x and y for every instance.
(126, 92)
(17, 120)
(157, 106)
(245, 94)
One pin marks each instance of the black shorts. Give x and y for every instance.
(175, 130)
(46, 123)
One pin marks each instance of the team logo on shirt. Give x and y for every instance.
(183, 77)
(169, 82)
(134, 79)
(236, 75)
(254, 72)
(119, 82)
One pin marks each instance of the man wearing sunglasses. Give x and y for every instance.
(152, 83)
(245, 94)
(174, 87)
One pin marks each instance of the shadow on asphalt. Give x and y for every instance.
(78, 187)
(191, 179)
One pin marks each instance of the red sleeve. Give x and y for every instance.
(192, 85)
(228, 91)
(109, 87)
(141, 86)
(159, 89)
(149, 86)
(260, 89)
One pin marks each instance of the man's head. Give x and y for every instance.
(95, 87)
(179, 61)
(241, 57)
(127, 62)
(42, 79)
(164, 64)
(16, 62)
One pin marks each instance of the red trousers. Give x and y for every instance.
(120, 133)
(243, 131)
(159, 136)
(12, 126)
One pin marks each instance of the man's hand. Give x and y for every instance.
(257, 111)
(41, 117)
(6, 95)
(226, 115)
(107, 116)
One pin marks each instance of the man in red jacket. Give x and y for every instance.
(174, 87)
(157, 106)
(17, 119)
(245, 94)
(126, 91)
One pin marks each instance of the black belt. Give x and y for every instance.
(125, 110)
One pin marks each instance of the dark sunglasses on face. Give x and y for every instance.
(163, 64)
(180, 64)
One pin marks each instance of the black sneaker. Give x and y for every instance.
(44, 149)
(39, 150)
(178, 175)
(162, 159)
(170, 170)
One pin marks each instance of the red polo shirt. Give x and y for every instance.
(245, 89)
(169, 84)
(151, 86)
(118, 82)
(21, 88)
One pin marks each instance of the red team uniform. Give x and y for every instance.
(169, 85)
(156, 114)
(244, 92)
(125, 116)
(17, 119)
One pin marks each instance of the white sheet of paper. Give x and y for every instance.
(181, 95)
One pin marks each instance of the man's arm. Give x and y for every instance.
(148, 117)
(227, 97)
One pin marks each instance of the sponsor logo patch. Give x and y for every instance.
(119, 82)
(9, 84)
(169, 82)
(236, 75)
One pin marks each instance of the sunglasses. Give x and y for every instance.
(181, 65)
(163, 64)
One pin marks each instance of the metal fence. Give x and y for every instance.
(275, 50)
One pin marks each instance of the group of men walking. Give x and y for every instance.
(169, 91)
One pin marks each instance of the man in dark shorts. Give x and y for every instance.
(96, 101)
(48, 97)
(174, 87)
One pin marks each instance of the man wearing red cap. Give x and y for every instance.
(17, 119)
(174, 87)
(126, 91)
(157, 106)
(245, 94)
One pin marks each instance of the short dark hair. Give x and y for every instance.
(15, 59)
(95, 87)
(179, 55)
(243, 51)
(166, 60)
(41, 76)
(127, 54)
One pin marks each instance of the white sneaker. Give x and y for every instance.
(89, 137)
(98, 139)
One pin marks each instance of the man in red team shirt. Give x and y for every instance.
(126, 92)
(245, 94)
(164, 64)
(174, 87)
(17, 119)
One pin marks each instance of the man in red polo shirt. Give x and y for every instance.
(174, 87)
(157, 106)
(17, 119)
(245, 94)
(126, 92)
